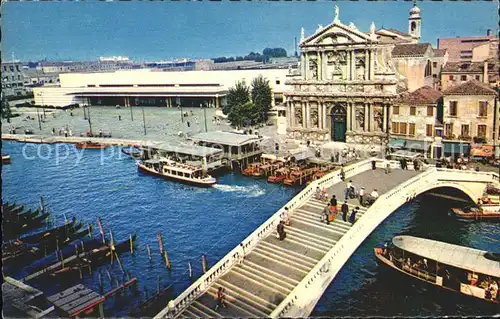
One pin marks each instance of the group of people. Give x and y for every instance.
(330, 212)
(66, 131)
(351, 191)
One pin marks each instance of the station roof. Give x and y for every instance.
(226, 138)
(457, 256)
(185, 149)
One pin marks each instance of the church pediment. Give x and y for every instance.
(337, 34)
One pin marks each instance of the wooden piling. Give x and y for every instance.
(204, 263)
(160, 242)
(167, 261)
(99, 276)
(149, 251)
(131, 245)
(190, 267)
(89, 228)
(119, 262)
(145, 293)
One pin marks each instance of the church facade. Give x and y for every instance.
(347, 83)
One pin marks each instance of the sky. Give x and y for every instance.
(164, 30)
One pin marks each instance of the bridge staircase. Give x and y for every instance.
(257, 285)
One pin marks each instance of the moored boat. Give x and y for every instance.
(471, 272)
(132, 152)
(187, 174)
(91, 145)
(298, 177)
(252, 169)
(5, 159)
(486, 212)
(278, 176)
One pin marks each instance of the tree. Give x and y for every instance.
(262, 97)
(240, 94)
(243, 115)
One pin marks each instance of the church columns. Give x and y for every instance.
(325, 114)
(320, 115)
(319, 63)
(349, 117)
(372, 65)
(354, 120)
(325, 65)
(353, 65)
(304, 118)
(308, 115)
(367, 65)
(372, 119)
(384, 121)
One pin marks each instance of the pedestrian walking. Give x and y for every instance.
(361, 195)
(345, 210)
(348, 190)
(333, 201)
(352, 218)
(119, 117)
(325, 213)
(342, 173)
(281, 231)
(387, 168)
(221, 298)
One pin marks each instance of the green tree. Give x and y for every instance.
(243, 115)
(238, 95)
(262, 97)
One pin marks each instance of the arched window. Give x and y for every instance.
(413, 26)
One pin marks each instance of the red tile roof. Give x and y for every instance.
(470, 88)
(401, 50)
(439, 52)
(423, 95)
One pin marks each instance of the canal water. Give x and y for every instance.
(196, 221)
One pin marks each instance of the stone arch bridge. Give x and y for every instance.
(264, 277)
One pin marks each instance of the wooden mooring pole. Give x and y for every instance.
(190, 267)
(167, 261)
(204, 263)
(131, 245)
(149, 251)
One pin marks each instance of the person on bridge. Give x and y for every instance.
(284, 217)
(221, 298)
(374, 194)
(324, 214)
(342, 173)
(345, 210)
(361, 195)
(333, 203)
(348, 190)
(281, 231)
(352, 218)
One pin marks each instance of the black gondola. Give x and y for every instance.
(84, 262)
(13, 210)
(137, 154)
(14, 230)
(21, 217)
(29, 254)
(47, 235)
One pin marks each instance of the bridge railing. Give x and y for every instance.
(176, 306)
(339, 254)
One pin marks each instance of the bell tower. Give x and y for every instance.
(415, 22)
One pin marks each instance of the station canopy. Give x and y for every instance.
(184, 149)
(226, 138)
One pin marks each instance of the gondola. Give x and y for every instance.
(85, 262)
(12, 210)
(50, 234)
(29, 254)
(150, 307)
(13, 230)
(21, 217)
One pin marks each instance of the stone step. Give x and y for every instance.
(289, 252)
(187, 313)
(206, 309)
(258, 282)
(270, 272)
(310, 237)
(351, 204)
(337, 223)
(332, 227)
(243, 309)
(234, 290)
(294, 258)
(280, 261)
(305, 242)
(264, 280)
(198, 312)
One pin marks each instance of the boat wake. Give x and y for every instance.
(248, 191)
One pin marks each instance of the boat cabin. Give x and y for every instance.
(209, 158)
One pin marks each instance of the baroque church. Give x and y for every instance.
(347, 82)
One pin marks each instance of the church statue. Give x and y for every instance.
(372, 28)
(314, 117)
(360, 118)
(298, 116)
(302, 34)
(336, 19)
(313, 67)
(378, 120)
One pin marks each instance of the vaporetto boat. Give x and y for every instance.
(184, 173)
(471, 272)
